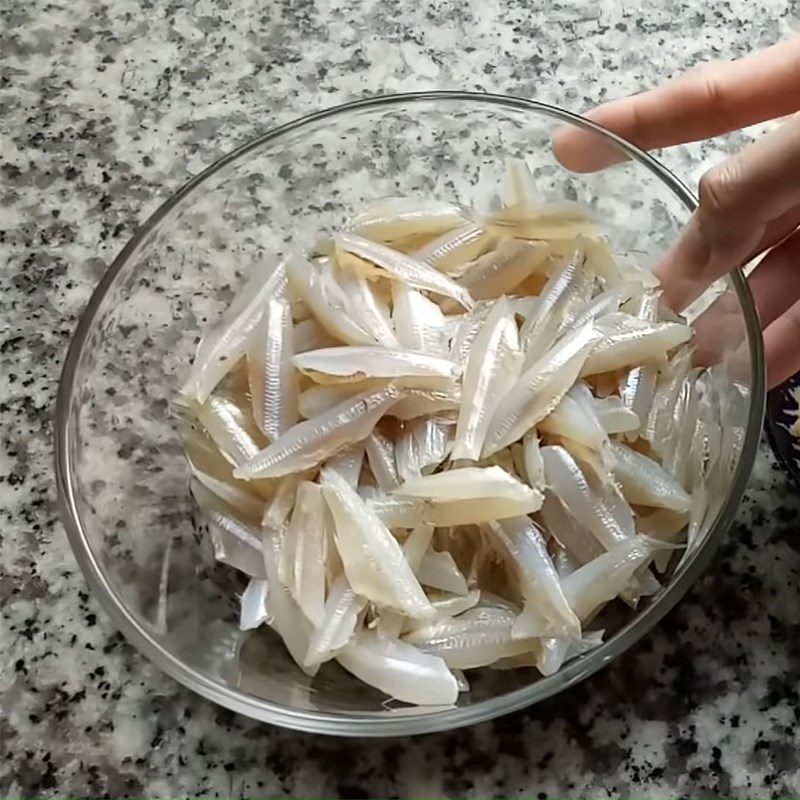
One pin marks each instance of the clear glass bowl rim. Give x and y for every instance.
(389, 725)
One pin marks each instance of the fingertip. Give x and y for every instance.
(682, 270)
(583, 151)
(718, 330)
(678, 290)
(570, 148)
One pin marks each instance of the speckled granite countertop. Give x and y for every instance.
(109, 107)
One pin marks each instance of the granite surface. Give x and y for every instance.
(107, 108)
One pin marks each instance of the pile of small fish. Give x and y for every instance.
(439, 441)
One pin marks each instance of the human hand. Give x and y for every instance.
(749, 204)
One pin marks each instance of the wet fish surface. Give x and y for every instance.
(440, 441)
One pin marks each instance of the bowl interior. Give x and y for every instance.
(123, 475)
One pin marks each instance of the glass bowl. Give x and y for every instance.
(123, 480)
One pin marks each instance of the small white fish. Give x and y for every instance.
(561, 222)
(253, 612)
(677, 458)
(310, 335)
(271, 375)
(399, 670)
(603, 578)
(438, 570)
(555, 652)
(667, 526)
(348, 462)
(321, 397)
(464, 330)
(503, 269)
(453, 251)
(309, 443)
(517, 462)
(615, 269)
(595, 465)
(638, 386)
(233, 542)
(406, 453)
(424, 388)
(578, 542)
(539, 390)
(463, 483)
(316, 284)
(614, 416)
(244, 505)
(418, 321)
(658, 429)
(233, 431)
(334, 568)
(645, 482)
(446, 605)
(301, 566)
(470, 495)
(400, 219)
(283, 614)
(617, 505)
(434, 440)
(339, 623)
(419, 402)
(493, 367)
(575, 418)
(705, 444)
(381, 457)
(373, 560)
(224, 345)
(476, 638)
(520, 190)
(663, 524)
(600, 259)
(697, 516)
(361, 363)
(278, 509)
(368, 311)
(637, 393)
(534, 465)
(398, 512)
(730, 449)
(203, 455)
(539, 582)
(416, 545)
(606, 302)
(628, 341)
(568, 482)
(399, 266)
(567, 289)
(645, 306)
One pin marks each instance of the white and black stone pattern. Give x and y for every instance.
(107, 108)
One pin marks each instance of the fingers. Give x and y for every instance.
(782, 346)
(775, 282)
(705, 102)
(720, 330)
(775, 232)
(738, 200)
